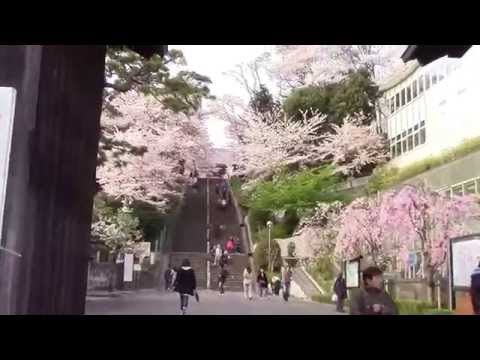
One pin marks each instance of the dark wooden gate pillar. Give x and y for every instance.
(51, 179)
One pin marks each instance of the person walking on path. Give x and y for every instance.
(262, 281)
(287, 281)
(340, 290)
(475, 290)
(224, 259)
(218, 255)
(247, 283)
(186, 284)
(168, 278)
(372, 299)
(276, 285)
(222, 278)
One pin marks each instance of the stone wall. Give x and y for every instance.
(102, 276)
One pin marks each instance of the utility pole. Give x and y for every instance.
(269, 226)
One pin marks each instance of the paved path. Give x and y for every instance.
(152, 302)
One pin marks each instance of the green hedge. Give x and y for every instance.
(386, 177)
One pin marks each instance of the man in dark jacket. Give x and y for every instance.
(372, 299)
(287, 281)
(340, 289)
(475, 290)
(185, 284)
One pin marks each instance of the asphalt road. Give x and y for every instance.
(153, 302)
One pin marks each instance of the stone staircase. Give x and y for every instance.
(189, 239)
(235, 268)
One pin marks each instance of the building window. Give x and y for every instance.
(404, 145)
(414, 89)
(392, 105)
(457, 190)
(434, 79)
(393, 151)
(427, 82)
(470, 187)
(420, 85)
(409, 94)
(403, 97)
(415, 139)
(410, 142)
(399, 148)
(397, 101)
(422, 136)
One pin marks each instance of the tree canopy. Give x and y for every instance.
(354, 95)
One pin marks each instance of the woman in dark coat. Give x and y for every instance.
(262, 281)
(186, 284)
(340, 289)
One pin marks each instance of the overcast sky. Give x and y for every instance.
(213, 61)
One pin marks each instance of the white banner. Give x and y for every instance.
(7, 111)
(128, 268)
(352, 274)
(465, 258)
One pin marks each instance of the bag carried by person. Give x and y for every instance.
(196, 296)
(334, 297)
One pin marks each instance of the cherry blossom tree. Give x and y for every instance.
(353, 147)
(319, 229)
(268, 145)
(427, 220)
(299, 65)
(361, 233)
(119, 231)
(169, 141)
(398, 222)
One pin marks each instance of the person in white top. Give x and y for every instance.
(247, 283)
(218, 255)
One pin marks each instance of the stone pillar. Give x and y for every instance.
(51, 177)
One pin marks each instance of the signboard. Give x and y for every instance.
(465, 256)
(7, 111)
(352, 274)
(128, 268)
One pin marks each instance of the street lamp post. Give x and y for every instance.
(269, 226)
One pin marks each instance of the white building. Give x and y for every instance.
(428, 109)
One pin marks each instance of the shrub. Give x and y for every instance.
(300, 190)
(413, 307)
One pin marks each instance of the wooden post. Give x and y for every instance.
(51, 179)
